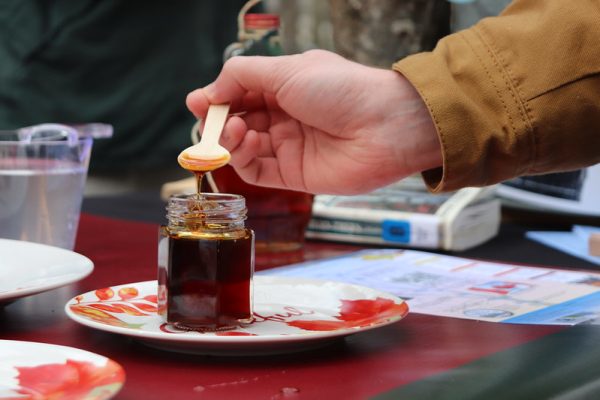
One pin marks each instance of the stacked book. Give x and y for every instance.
(405, 216)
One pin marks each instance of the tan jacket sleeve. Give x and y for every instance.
(515, 94)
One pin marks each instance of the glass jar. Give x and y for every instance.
(205, 263)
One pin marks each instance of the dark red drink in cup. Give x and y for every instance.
(278, 217)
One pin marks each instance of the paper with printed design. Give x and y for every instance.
(457, 287)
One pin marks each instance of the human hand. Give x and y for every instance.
(319, 123)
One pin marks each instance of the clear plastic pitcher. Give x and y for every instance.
(43, 169)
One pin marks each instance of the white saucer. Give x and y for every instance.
(27, 268)
(38, 370)
(290, 315)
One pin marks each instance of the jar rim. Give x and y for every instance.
(225, 198)
(217, 208)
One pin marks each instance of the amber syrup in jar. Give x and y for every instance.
(206, 263)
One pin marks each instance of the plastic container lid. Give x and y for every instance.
(261, 21)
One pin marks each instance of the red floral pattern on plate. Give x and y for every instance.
(234, 333)
(73, 380)
(357, 314)
(102, 311)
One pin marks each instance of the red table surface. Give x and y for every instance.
(357, 367)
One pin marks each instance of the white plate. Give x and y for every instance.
(43, 371)
(290, 315)
(27, 268)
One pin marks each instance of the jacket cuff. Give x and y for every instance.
(480, 118)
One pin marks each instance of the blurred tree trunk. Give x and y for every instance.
(380, 32)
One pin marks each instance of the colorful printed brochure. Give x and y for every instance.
(457, 287)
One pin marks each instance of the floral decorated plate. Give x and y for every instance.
(290, 314)
(31, 370)
(27, 268)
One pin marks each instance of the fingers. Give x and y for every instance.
(259, 121)
(262, 171)
(243, 142)
(255, 161)
(233, 133)
(197, 103)
(247, 150)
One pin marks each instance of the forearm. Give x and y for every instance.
(517, 94)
